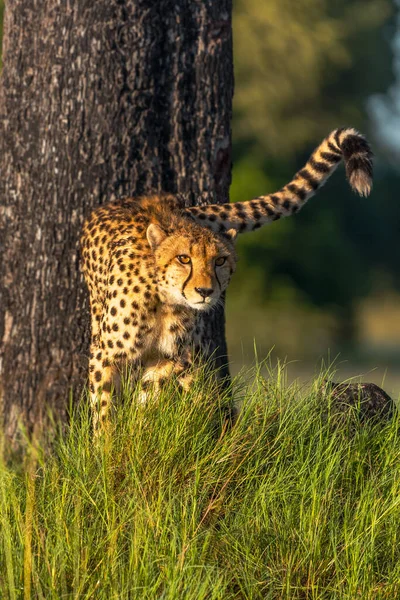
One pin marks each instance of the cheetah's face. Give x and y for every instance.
(194, 266)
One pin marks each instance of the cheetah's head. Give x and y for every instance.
(194, 265)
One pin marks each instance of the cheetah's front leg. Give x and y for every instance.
(101, 375)
(158, 372)
(154, 376)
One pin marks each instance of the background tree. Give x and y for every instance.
(98, 100)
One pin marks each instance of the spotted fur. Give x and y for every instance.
(342, 144)
(153, 267)
(151, 271)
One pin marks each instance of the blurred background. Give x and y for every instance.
(324, 284)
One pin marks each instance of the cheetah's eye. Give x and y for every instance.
(184, 259)
(220, 261)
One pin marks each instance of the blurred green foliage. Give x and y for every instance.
(303, 69)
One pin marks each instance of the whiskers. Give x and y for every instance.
(219, 304)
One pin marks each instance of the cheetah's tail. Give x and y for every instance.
(345, 143)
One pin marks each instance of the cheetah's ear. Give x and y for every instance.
(155, 235)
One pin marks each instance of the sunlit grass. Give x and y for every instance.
(175, 504)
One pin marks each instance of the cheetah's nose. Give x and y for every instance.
(204, 292)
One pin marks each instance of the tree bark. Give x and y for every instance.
(98, 100)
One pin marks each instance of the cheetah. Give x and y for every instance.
(154, 268)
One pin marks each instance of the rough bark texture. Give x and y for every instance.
(98, 100)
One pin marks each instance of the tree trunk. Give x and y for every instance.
(98, 100)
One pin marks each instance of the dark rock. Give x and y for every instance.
(366, 401)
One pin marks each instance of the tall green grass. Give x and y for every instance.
(174, 504)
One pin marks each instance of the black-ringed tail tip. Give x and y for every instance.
(342, 144)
